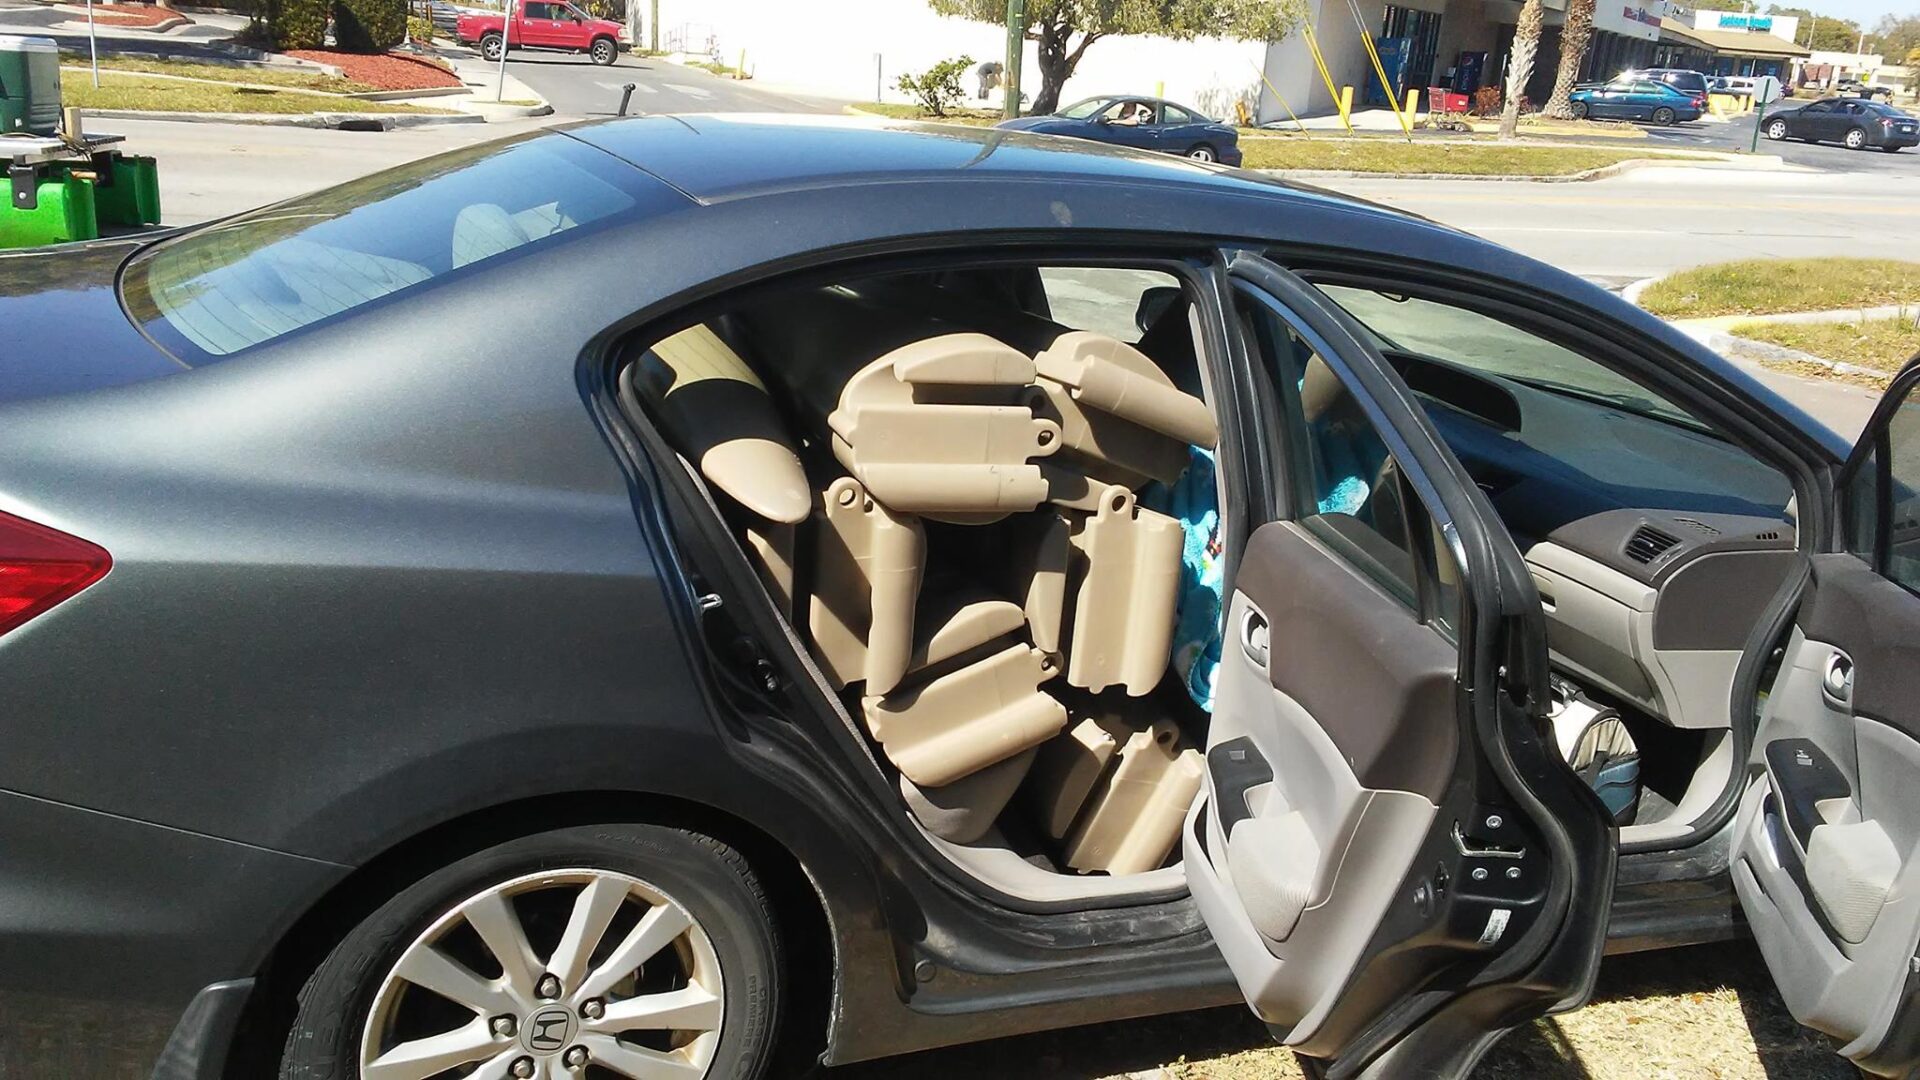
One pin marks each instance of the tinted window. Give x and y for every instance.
(1083, 109)
(1473, 340)
(250, 279)
(1820, 107)
(538, 11)
(1884, 500)
(1104, 299)
(1178, 115)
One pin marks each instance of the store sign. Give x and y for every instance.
(1734, 21)
(1630, 18)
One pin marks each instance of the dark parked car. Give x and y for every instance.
(1636, 99)
(404, 679)
(1856, 123)
(1142, 123)
(1687, 81)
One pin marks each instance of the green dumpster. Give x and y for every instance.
(29, 85)
(131, 195)
(64, 211)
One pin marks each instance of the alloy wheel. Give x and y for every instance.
(490, 48)
(1579, 110)
(1777, 130)
(546, 974)
(1201, 153)
(1663, 116)
(1856, 139)
(603, 52)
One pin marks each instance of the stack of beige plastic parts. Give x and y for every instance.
(955, 682)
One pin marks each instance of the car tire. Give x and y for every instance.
(1663, 116)
(714, 947)
(1777, 130)
(1579, 109)
(604, 52)
(490, 45)
(1856, 139)
(1203, 152)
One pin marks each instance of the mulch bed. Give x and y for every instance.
(141, 15)
(391, 71)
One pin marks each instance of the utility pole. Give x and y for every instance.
(1016, 49)
(653, 29)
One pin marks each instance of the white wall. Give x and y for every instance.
(830, 49)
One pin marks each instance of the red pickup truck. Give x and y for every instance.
(542, 24)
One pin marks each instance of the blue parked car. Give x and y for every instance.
(1142, 122)
(1637, 99)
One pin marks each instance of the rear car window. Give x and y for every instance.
(220, 290)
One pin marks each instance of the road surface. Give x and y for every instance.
(577, 87)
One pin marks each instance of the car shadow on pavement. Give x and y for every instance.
(1703, 1011)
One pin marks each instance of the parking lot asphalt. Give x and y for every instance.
(577, 87)
(1737, 135)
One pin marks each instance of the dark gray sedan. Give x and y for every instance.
(1855, 123)
(673, 598)
(1143, 123)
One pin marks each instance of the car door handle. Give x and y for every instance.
(1255, 638)
(1837, 682)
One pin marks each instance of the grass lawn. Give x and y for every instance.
(973, 117)
(1880, 344)
(126, 90)
(1691, 1014)
(1769, 286)
(1398, 156)
(265, 76)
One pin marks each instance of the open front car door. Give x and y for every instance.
(1396, 865)
(1826, 858)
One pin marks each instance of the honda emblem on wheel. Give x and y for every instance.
(548, 1030)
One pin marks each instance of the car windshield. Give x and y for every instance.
(1424, 328)
(1080, 110)
(250, 279)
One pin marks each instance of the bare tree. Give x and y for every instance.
(1526, 42)
(1575, 37)
(1065, 29)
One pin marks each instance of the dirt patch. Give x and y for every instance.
(389, 71)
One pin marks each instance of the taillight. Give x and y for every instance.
(40, 567)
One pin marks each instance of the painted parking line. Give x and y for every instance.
(638, 88)
(690, 91)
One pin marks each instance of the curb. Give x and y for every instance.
(316, 120)
(1631, 294)
(1747, 348)
(1600, 173)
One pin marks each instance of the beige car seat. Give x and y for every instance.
(718, 413)
(966, 809)
(942, 427)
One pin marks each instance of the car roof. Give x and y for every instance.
(721, 157)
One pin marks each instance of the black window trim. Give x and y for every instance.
(1875, 451)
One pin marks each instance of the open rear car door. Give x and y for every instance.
(1826, 858)
(1396, 865)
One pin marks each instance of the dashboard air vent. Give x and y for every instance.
(1648, 543)
(1768, 535)
(1697, 524)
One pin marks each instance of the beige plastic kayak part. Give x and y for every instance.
(772, 548)
(942, 427)
(1039, 556)
(1122, 421)
(1134, 819)
(1125, 579)
(962, 720)
(964, 810)
(1067, 770)
(866, 583)
(719, 414)
(951, 626)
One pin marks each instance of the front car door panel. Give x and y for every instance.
(1826, 860)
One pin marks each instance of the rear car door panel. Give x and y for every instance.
(1827, 840)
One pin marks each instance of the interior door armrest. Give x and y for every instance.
(1804, 777)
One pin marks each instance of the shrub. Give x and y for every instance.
(369, 26)
(298, 24)
(938, 88)
(419, 28)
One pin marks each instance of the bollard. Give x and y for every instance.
(626, 95)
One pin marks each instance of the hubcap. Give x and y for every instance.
(545, 975)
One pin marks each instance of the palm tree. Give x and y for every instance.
(1526, 42)
(1575, 36)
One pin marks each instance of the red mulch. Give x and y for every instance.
(135, 15)
(392, 71)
